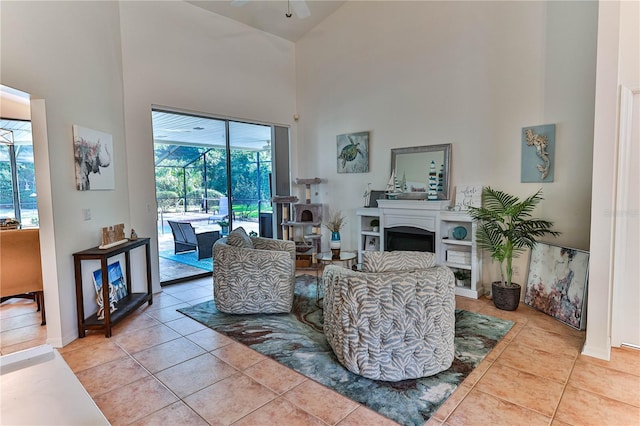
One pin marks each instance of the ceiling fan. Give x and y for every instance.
(300, 7)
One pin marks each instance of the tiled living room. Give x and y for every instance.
(162, 368)
(410, 74)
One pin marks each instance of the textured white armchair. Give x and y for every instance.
(393, 321)
(252, 274)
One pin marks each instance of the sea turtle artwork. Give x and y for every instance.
(353, 153)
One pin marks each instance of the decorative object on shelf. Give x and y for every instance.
(93, 152)
(117, 287)
(393, 187)
(505, 229)
(538, 145)
(353, 152)
(459, 233)
(371, 242)
(375, 225)
(367, 195)
(374, 196)
(468, 196)
(334, 224)
(463, 277)
(113, 236)
(415, 164)
(557, 283)
(432, 183)
(134, 235)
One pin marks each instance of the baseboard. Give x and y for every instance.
(597, 352)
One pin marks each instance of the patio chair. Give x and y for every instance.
(185, 239)
(223, 211)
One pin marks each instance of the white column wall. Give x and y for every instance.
(181, 56)
(68, 53)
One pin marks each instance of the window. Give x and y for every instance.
(18, 196)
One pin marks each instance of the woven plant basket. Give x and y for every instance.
(505, 298)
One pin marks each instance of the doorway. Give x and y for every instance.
(213, 174)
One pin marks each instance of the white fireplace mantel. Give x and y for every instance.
(417, 213)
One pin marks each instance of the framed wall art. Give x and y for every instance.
(557, 283)
(353, 152)
(538, 146)
(93, 152)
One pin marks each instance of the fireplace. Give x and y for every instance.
(409, 238)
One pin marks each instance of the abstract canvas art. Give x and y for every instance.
(538, 161)
(93, 152)
(353, 152)
(557, 283)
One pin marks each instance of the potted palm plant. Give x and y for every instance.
(506, 229)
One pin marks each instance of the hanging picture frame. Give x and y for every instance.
(538, 160)
(93, 153)
(557, 283)
(353, 152)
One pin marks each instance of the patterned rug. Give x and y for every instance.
(189, 258)
(296, 340)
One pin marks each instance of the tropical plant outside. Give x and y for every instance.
(180, 175)
(506, 229)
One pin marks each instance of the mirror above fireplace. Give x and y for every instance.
(423, 168)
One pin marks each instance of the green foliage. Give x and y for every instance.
(183, 167)
(505, 227)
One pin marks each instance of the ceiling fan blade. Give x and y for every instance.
(300, 8)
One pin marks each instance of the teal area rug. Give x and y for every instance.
(189, 258)
(296, 340)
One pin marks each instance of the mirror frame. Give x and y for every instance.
(446, 150)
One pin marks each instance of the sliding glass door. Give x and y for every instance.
(250, 171)
(213, 173)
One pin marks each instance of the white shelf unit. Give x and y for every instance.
(366, 215)
(467, 256)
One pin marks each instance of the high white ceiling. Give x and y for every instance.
(269, 15)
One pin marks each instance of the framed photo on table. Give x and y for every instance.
(371, 243)
(557, 283)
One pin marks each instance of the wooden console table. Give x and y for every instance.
(127, 304)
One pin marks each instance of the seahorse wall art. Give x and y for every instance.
(538, 143)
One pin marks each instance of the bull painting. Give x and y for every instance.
(93, 151)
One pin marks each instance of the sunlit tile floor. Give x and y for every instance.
(162, 368)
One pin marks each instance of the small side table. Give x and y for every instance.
(326, 258)
(127, 304)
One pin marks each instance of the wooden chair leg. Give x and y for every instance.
(40, 299)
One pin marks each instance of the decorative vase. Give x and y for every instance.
(505, 298)
(335, 245)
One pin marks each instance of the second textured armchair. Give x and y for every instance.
(393, 321)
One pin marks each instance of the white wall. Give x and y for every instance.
(618, 64)
(180, 56)
(68, 53)
(467, 73)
